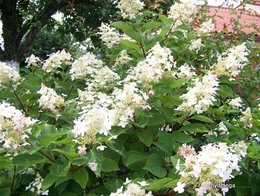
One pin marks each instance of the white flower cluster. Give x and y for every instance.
(236, 103)
(131, 189)
(126, 101)
(55, 60)
(196, 45)
(206, 27)
(211, 166)
(109, 35)
(13, 124)
(157, 62)
(85, 66)
(233, 61)
(130, 8)
(32, 60)
(123, 58)
(183, 11)
(185, 71)
(102, 111)
(93, 121)
(36, 186)
(8, 73)
(50, 99)
(104, 78)
(201, 96)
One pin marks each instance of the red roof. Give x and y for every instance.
(224, 19)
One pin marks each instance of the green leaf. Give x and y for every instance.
(178, 83)
(154, 165)
(202, 119)
(156, 119)
(158, 184)
(48, 181)
(49, 138)
(5, 162)
(226, 90)
(164, 142)
(182, 137)
(134, 159)
(128, 30)
(150, 25)
(195, 127)
(130, 44)
(146, 137)
(81, 177)
(27, 159)
(5, 191)
(109, 165)
(60, 169)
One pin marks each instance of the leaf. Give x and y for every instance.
(5, 191)
(158, 184)
(49, 138)
(178, 83)
(150, 25)
(130, 45)
(202, 119)
(146, 137)
(81, 177)
(60, 169)
(134, 159)
(195, 127)
(27, 159)
(182, 137)
(226, 90)
(128, 30)
(156, 119)
(154, 165)
(109, 165)
(5, 162)
(48, 181)
(165, 142)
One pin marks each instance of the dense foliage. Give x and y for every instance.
(164, 107)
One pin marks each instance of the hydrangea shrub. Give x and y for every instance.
(162, 108)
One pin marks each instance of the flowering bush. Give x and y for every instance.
(162, 108)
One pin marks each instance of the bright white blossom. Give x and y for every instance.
(8, 73)
(50, 99)
(109, 35)
(13, 126)
(36, 186)
(93, 121)
(182, 11)
(196, 45)
(206, 27)
(214, 164)
(55, 60)
(236, 103)
(232, 61)
(85, 66)
(126, 101)
(201, 95)
(180, 187)
(123, 58)
(93, 166)
(185, 71)
(157, 62)
(222, 128)
(130, 8)
(131, 189)
(32, 60)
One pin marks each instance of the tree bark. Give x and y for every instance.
(18, 37)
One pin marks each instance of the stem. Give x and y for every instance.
(19, 100)
(49, 158)
(142, 47)
(14, 175)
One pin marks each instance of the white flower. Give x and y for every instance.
(55, 60)
(206, 27)
(85, 66)
(36, 186)
(123, 58)
(8, 73)
(232, 61)
(101, 148)
(222, 128)
(93, 166)
(185, 71)
(127, 181)
(130, 8)
(32, 60)
(109, 35)
(196, 45)
(157, 62)
(183, 11)
(247, 116)
(82, 150)
(179, 188)
(236, 103)
(201, 96)
(143, 183)
(50, 99)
